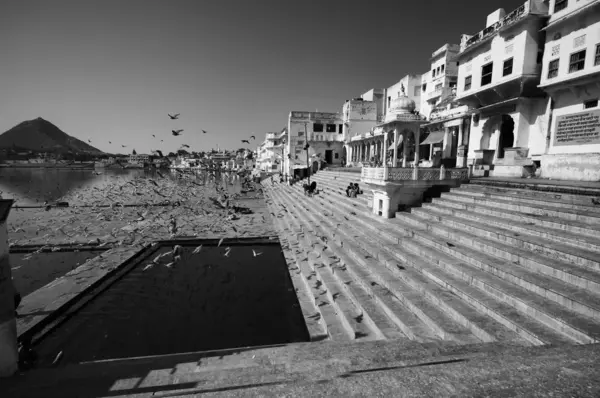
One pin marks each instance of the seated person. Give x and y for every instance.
(349, 189)
(313, 188)
(353, 192)
(306, 188)
(357, 188)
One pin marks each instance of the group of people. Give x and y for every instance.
(352, 190)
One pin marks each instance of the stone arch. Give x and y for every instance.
(507, 135)
(489, 128)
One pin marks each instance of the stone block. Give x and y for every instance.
(575, 167)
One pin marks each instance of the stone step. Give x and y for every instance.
(583, 203)
(536, 250)
(519, 206)
(530, 329)
(580, 328)
(546, 186)
(532, 191)
(575, 227)
(425, 307)
(315, 322)
(391, 316)
(335, 325)
(393, 309)
(482, 326)
(561, 286)
(335, 294)
(529, 228)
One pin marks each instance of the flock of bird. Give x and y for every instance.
(101, 215)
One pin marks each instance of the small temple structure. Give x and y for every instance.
(397, 181)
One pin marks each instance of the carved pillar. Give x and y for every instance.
(417, 146)
(395, 160)
(384, 159)
(405, 149)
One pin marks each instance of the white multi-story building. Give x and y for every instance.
(270, 152)
(498, 74)
(446, 134)
(324, 133)
(571, 76)
(139, 158)
(439, 82)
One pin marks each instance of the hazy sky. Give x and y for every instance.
(111, 70)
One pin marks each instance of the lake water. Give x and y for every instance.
(28, 186)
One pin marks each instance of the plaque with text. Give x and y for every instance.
(578, 129)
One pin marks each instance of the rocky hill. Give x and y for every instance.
(40, 135)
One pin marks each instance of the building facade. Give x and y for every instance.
(440, 81)
(269, 152)
(571, 77)
(498, 76)
(323, 131)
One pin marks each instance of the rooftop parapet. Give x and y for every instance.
(530, 7)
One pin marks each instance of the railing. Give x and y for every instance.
(413, 173)
(373, 173)
(508, 20)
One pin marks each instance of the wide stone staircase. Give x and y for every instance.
(478, 264)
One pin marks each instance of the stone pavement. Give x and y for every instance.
(381, 368)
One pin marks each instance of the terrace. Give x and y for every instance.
(530, 7)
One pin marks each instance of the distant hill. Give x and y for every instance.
(42, 136)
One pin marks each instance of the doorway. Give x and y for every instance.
(329, 156)
(507, 136)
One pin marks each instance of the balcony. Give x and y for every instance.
(435, 93)
(509, 20)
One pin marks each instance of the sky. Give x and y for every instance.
(111, 70)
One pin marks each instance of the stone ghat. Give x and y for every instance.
(476, 265)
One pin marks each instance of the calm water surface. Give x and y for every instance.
(29, 186)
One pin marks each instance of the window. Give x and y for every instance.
(317, 127)
(300, 133)
(468, 82)
(300, 142)
(337, 155)
(590, 104)
(577, 61)
(433, 73)
(597, 59)
(486, 73)
(438, 87)
(553, 68)
(507, 67)
(340, 128)
(389, 101)
(443, 66)
(560, 5)
(330, 128)
(424, 87)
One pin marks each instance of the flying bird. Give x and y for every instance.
(176, 132)
(256, 253)
(184, 145)
(153, 136)
(246, 141)
(204, 131)
(253, 137)
(173, 117)
(160, 154)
